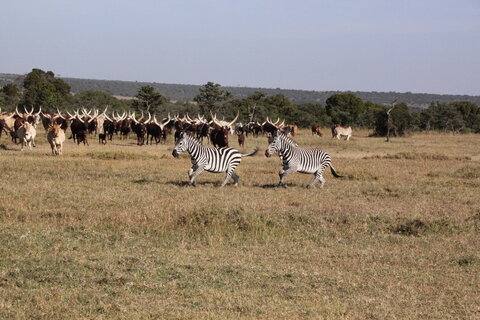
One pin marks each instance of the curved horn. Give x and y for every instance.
(16, 111)
(59, 114)
(95, 115)
(149, 117)
(231, 123)
(132, 116)
(278, 120)
(217, 122)
(39, 111)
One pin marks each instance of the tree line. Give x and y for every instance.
(43, 88)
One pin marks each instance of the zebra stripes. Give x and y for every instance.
(209, 158)
(299, 159)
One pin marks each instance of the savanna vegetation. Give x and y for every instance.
(44, 89)
(113, 232)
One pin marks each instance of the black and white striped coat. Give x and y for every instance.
(296, 159)
(209, 158)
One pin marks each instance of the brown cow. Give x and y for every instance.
(316, 130)
(241, 139)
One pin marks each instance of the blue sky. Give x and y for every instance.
(371, 45)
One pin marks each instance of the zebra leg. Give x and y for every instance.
(283, 173)
(191, 170)
(194, 174)
(229, 175)
(318, 177)
(235, 179)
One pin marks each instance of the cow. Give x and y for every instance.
(270, 127)
(140, 128)
(219, 136)
(316, 130)
(157, 130)
(341, 131)
(56, 138)
(108, 128)
(102, 138)
(290, 129)
(223, 123)
(27, 133)
(254, 128)
(241, 139)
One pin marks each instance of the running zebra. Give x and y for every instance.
(209, 158)
(299, 159)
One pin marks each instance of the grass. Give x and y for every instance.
(113, 232)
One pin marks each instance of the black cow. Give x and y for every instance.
(219, 137)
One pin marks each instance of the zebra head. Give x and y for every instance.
(278, 143)
(181, 145)
(273, 146)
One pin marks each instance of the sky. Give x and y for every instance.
(430, 46)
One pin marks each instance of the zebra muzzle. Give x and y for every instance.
(175, 153)
(267, 154)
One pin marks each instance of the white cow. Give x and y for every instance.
(339, 131)
(27, 133)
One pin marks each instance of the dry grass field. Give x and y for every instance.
(113, 232)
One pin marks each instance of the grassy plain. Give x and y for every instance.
(112, 232)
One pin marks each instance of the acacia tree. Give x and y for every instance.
(148, 99)
(210, 96)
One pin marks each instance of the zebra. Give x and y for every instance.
(209, 158)
(299, 159)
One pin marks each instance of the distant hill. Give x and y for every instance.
(186, 92)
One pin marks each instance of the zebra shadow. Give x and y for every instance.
(275, 186)
(186, 184)
(142, 181)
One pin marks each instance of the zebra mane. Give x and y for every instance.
(287, 139)
(191, 139)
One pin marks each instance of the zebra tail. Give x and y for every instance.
(335, 174)
(251, 154)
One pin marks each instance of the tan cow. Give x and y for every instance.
(56, 138)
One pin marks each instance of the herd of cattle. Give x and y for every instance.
(21, 126)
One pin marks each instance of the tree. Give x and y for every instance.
(10, 95)
(210, 96)
(344, 108)
(43, 89)
(149, 100)
(400, 120)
